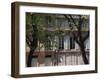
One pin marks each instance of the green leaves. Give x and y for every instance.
(41, 22)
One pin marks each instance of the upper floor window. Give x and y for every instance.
(72, 43)
(61, 42)
(60, 22)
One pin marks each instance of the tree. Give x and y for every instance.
(31, 41)
(78, 35)
(37, 32)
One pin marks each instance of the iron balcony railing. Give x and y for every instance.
(62, 58)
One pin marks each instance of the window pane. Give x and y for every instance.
(34, 62)
(72, 43)
(48, 61)
(61, 42)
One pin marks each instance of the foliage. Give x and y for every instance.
(41, 21)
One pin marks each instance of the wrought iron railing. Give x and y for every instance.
(62, 58)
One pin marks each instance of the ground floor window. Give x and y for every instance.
(48, 61)
(34, 61)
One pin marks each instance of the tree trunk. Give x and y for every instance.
(30, 56)
(84, 54)
(41, 59)
(33, 45)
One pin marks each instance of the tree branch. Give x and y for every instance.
(73, 20)
(75, 37)
(67, 18)
(28, 41)
(69, 21)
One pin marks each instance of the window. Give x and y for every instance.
(48, 61)
(61, 43)
(34, 61)
(60, 22)
(51, 21)
(85, 24)
(48, 43)
(72, 43)
(48, 46)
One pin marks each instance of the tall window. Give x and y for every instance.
(48, 45)
(72, 43)
(51, 21)
(48, 61)
(61, 43)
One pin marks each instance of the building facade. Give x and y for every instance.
(61, 49)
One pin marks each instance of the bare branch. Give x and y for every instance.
(67, 18)
(73, 20)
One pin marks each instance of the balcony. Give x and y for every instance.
(58, 58)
